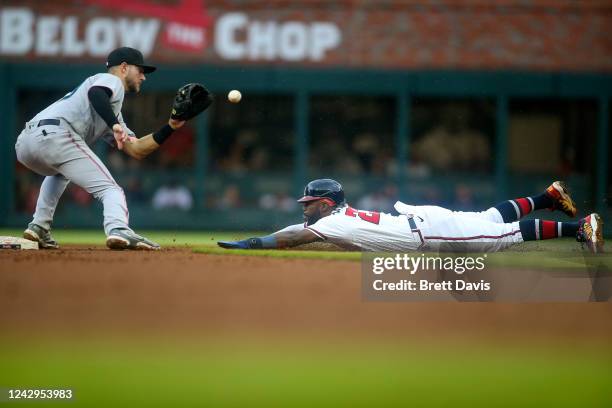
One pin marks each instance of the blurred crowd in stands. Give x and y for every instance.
(175, 195)
(349, 138)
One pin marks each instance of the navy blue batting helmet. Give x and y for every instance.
(323, 188)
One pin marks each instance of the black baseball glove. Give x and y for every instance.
(190, 100)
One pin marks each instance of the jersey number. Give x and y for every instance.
(369, 216)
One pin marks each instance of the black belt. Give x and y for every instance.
(48, 122)
(412, 223)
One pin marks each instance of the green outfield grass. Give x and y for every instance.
(164, 238)
(560, 253)
(361, 374)
(210, 238)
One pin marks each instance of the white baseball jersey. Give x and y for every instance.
(76, 110)
(366, 230)
(436, 228)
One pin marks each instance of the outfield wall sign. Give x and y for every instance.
(183, 32)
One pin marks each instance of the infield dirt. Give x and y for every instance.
(176, 290)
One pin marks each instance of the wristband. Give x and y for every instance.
(162, 134)
(267, 242)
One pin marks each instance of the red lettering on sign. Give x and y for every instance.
(186, 22)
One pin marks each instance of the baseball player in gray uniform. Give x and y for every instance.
(56, 144)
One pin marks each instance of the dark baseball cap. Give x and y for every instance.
(130, 56)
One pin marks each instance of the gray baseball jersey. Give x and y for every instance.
(74, 108)
(62, 153)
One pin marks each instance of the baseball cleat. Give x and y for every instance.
(127, 239)
(590, 231)
(562, 201)
(35, 232)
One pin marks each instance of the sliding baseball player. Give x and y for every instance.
(429, 228)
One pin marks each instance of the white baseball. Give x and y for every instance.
(234, 96)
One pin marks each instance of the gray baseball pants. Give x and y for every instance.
(63, 157)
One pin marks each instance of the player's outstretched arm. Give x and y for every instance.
(190, 101)
(284, 239)
(141, 148)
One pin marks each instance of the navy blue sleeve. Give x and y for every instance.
(99, 97)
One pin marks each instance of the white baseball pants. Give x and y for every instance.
(447, 230)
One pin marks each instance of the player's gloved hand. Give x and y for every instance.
(189, 101)
(251, 243)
